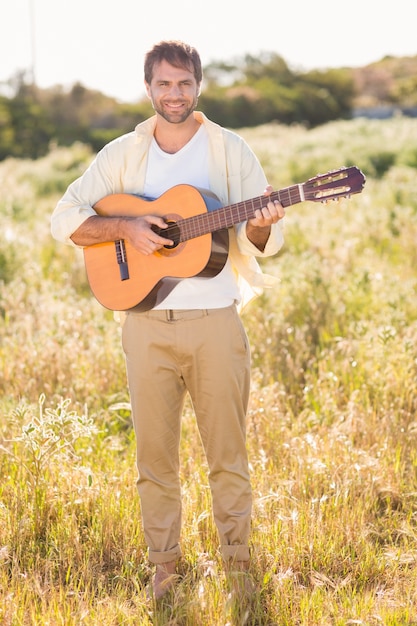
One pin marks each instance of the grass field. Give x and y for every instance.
(332, 422)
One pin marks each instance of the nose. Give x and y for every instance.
(176, 90)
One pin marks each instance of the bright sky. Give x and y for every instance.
(102, 43)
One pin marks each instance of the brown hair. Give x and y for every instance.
(177, 54)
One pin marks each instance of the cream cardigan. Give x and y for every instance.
(235, 174)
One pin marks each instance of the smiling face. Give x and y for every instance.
(173, 92)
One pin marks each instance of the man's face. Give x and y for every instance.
(173, 92)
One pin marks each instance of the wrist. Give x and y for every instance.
(258, 235)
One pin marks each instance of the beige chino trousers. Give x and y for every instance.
(205, 353)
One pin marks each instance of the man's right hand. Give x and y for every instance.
(136, 230)
(142, 237)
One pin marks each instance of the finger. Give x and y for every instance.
(160, 242)
(156, 220)
(280, 209)
(276, 209)
(157, 242)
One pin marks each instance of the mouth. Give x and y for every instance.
(175, 107)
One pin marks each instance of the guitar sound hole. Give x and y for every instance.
(172, 232)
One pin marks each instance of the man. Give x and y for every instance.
(192, 340)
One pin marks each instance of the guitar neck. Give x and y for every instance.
(225, 217)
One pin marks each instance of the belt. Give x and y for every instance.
(176, 315)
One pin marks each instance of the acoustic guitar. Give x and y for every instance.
(121, 278)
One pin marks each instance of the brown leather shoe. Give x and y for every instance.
(164, 579)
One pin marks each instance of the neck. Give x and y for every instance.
(172, 137)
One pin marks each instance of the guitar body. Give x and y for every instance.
(121, 278)
(143, 281)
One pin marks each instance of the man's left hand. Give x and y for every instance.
(259, 227)
(271, 213)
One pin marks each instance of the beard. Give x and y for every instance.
(172, 116)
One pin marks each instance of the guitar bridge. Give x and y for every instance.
(122, 259)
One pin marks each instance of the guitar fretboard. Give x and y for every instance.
(226, 217)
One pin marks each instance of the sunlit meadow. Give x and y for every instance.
(331, 428)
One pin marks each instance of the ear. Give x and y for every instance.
(148, 89)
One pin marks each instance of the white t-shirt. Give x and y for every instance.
(189, 166)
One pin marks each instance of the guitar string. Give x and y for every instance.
(225, 217)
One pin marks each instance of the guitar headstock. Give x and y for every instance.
(340, 183)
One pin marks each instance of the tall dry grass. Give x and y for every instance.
(332, 421)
